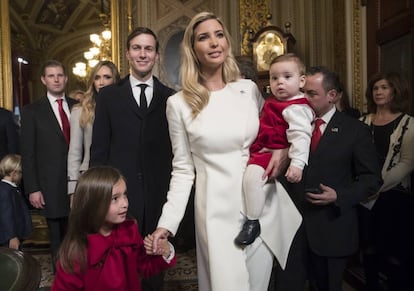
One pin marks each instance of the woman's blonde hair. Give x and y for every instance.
(10, 163)
(88, 102)
(195, 94)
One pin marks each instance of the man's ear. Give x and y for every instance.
(333, 96)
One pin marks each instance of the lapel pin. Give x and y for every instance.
(334, 129)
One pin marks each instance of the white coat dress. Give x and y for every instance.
(213, 150)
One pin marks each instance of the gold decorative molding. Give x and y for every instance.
(252, 18)
(6, 83)
(357, 96)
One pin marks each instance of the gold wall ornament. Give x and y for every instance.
(253, 16)
(270, 42)
(6, 82)
(357, 90)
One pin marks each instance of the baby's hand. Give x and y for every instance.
(294, 174)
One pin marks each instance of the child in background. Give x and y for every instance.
(285, 122)
(15, 220)
(103, 250)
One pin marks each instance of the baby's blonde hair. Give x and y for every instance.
(9, 164)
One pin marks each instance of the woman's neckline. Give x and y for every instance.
(384, 119)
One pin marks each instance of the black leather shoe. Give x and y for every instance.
(249, 232)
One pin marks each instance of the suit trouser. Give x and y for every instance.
(156, 282)
(327, 271)
(57, 229)
(294, 276)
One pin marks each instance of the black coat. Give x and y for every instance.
(344, 160)
(137, 144)
(44, 156)
(15, 220)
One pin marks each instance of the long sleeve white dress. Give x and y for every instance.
(213, 150)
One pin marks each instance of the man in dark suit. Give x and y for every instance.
(342, 171)
(130, 132)
(9, 133)
(44, 150)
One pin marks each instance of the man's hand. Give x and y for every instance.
(277, 163)
(327, 196)
(36, 199)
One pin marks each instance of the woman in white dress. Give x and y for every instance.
(212, 123)
(81, 121)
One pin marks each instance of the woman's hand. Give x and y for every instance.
(159, 235)
(277, 163)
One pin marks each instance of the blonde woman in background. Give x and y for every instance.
(81, 121)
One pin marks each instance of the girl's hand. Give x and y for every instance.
(148, 240)
(14, 243)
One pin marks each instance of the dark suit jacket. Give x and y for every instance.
(136, 143)
(9, 134)
(44, 156)
(344, 160)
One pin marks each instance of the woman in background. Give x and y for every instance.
(386, 220)
(81, 121)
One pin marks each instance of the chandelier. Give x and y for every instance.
(99, 51)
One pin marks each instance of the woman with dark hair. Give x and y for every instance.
(386, 220)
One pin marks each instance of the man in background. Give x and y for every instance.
(130, 133)
(45, 137)
(343, 170)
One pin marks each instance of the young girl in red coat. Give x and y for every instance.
(102, 250)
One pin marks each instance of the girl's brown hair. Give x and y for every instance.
(91, 202)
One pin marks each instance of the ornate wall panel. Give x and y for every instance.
(6, 91)
(252, 18)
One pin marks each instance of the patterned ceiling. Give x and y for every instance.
(54, 28)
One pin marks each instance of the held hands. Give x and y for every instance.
(327, 196)
(294, 174)
(277, 163)
(37, 200)
(159, 237)
(163, 247)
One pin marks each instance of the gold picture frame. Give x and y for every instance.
(268, 43)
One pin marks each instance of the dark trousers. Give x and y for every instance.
(326, 273)
(294, 276)
(57, 229)
(153, 283)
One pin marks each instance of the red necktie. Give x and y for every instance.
(65, 121)
(316, 134)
